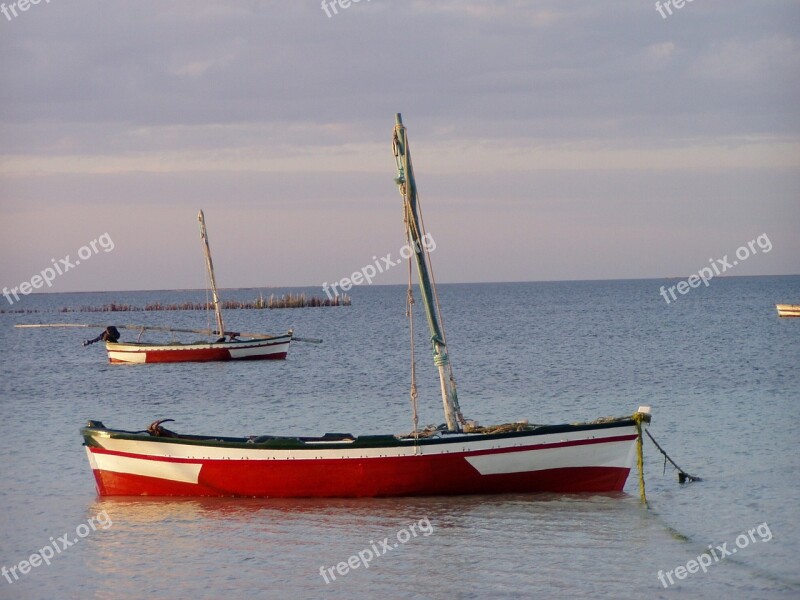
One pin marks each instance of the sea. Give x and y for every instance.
(719, 368)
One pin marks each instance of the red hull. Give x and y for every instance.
(166, 356)
(591, 463)
(274, 348)
(290, 485)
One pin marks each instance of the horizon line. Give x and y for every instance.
(287, 287)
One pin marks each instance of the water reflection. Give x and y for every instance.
(286, 541)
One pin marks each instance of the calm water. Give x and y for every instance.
(718, 366)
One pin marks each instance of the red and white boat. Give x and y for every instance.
(593, 457)
(254, 346)
(258, 347)
(274, 347)
(459, 457)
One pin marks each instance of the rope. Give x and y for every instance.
(441, 360)
(502, 428)
(638, 418)
(683, 476)
(208, 305)
(459, 416)
(410, 315)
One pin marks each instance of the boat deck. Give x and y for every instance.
(343, 440)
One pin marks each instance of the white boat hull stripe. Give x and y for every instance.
(593, 455)
(173, 471)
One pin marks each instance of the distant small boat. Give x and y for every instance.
(258, 346)
(788, 310)
(254, 349)
(266, 347)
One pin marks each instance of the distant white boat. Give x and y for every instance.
(259, 346)
(788, 310)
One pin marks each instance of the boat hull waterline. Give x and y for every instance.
(560, 458)
(270, 349)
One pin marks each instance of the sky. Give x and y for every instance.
(552, 140)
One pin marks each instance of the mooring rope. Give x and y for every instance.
(683, 476)
(638, 418)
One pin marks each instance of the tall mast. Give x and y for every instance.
(408, 189)
(210, 267)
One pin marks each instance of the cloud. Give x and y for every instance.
(750, 61)
(511, 106)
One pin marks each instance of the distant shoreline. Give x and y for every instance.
(260, 303)
(309, 287)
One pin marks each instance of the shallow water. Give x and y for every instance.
(718, 367)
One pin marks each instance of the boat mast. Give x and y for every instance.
(408, 189)
(210, 267)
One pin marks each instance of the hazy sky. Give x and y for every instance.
(551, 139)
